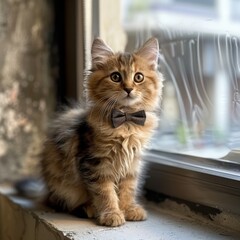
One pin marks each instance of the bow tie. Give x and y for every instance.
(119, 117)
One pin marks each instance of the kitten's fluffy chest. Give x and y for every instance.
(123, 146)
(124, 153)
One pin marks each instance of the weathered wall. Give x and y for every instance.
(26, 86)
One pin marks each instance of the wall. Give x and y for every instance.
(26, 84)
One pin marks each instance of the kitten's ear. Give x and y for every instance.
(100, 51)
(150, 51)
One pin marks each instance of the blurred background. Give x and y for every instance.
(45, 47)
(27, 83)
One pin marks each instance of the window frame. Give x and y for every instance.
(199, 180)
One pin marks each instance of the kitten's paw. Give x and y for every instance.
(135, 213)
(112, 219)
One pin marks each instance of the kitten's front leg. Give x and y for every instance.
(127, 202)
(105, 201)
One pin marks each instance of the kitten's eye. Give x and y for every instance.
(116, 77)
(138, 77)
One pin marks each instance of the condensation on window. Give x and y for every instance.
(199, 58)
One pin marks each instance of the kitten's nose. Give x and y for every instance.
(128, 90)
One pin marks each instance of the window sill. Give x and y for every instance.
(24, 219)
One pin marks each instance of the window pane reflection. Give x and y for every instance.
(199, 56)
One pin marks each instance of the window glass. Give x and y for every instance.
(199, 57)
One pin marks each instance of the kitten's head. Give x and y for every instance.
(124, 80)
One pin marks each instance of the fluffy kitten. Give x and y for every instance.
(92, 157)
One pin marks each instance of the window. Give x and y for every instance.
(195, 153)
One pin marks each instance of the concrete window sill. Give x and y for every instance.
(24, 219)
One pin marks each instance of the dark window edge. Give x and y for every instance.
(196, 180)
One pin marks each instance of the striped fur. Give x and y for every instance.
(86, 162)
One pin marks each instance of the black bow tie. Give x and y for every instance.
(119, 117)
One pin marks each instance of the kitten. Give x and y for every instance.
(92, 157)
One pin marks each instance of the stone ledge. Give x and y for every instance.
(25, 219)
(19, 223)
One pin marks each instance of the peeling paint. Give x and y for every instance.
(42, 105)
(25, 84)
(3, 148)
